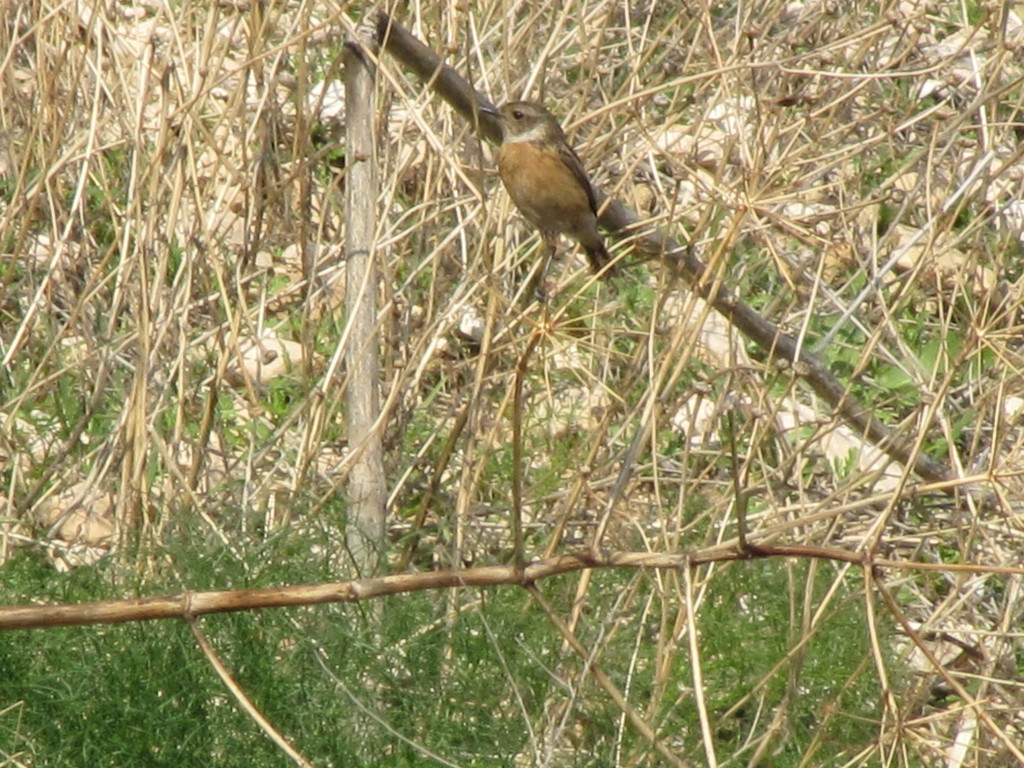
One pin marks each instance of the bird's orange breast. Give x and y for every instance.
(543, 187)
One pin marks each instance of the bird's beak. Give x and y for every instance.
(494, 131)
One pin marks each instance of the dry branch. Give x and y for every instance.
(188, 605)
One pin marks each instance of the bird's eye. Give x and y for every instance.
(517, 114)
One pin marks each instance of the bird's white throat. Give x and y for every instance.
(536, 132)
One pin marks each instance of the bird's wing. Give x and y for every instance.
(572, 160)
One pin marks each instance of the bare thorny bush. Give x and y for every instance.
(170, 231)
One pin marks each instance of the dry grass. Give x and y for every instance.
(854, 173)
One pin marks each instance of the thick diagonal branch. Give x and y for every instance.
(619, 219)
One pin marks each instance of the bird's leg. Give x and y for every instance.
(535, 279)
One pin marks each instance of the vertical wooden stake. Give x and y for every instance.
(367, 492)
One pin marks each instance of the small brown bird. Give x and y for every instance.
(546, 180)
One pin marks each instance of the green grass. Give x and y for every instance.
(143, 693)
(468, 685)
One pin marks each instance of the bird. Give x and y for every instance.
(545, 179)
